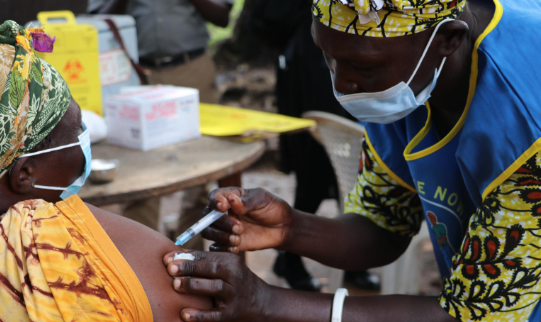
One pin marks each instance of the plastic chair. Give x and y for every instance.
(342, 140)
(403, 276)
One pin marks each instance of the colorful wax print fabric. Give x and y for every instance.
(495, 274)
(385, 18)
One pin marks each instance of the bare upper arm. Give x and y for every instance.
(144, 248)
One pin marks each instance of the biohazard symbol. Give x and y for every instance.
(73, 70)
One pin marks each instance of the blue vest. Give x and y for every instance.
(499, 130)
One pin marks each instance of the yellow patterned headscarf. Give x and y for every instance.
(34, 97)
(385, 18)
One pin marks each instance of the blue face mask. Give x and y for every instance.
(394, 103)
(73, 189)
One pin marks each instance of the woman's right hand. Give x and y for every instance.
(257, 220)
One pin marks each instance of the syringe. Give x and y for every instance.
(199, 226)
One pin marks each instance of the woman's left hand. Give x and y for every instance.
(239, 295)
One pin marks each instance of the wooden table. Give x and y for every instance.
(162, 171)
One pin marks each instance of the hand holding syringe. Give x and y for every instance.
(199, 226)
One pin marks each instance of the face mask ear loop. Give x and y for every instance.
(438, 71)
(37, 186)
(49, 150)
(426, 49)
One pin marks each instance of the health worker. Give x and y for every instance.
(449, 93)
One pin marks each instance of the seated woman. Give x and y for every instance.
(65, 260)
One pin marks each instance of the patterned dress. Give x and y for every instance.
(496, 272)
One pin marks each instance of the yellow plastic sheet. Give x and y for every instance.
(218, 120)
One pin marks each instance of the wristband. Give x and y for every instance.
(338, 304)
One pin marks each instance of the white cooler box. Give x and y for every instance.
(116, 70)
(153, 117)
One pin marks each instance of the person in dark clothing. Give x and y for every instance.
(25, 11)
(303, 84)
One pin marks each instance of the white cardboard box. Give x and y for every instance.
(152, 117)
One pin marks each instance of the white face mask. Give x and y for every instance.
(394, 103)
(73, 189)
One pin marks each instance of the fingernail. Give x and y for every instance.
(219, 205)
(174, 269)
(187, 316)
(169, 260)
(176, 284)
(236, 229)
(233, 239)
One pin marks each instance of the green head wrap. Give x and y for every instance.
(34, 95)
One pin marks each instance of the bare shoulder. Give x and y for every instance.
(144, 248)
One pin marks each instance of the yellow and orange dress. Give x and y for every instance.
(58, 264)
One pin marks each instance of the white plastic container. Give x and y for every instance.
(152, 117)
(116, 70)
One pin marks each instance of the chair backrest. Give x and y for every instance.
(342, 141)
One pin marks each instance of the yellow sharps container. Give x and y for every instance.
(75, 56)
